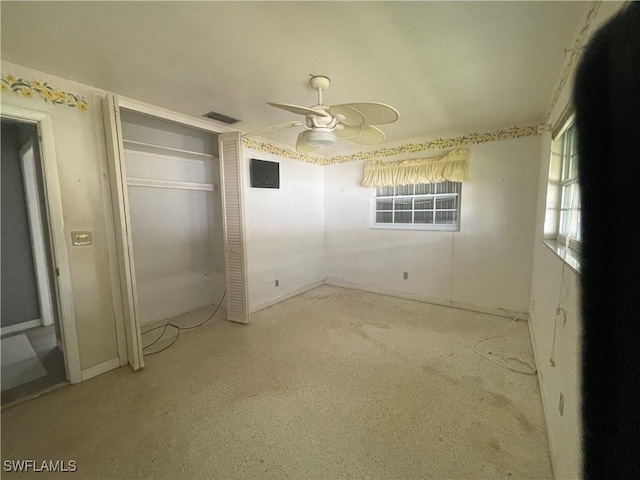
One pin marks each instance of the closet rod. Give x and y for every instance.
(148, 147)
(155, 183)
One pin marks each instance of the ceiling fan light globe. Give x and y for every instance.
(321, 138)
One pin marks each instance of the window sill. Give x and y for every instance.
(409, 226)
(567, 255)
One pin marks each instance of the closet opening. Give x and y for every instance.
(176, 225)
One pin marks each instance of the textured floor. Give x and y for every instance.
(333, 383)
(31, 363)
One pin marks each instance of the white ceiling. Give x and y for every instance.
(447, 67)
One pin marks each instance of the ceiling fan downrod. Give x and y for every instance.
(319, 83)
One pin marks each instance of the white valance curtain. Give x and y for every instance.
(453, 167)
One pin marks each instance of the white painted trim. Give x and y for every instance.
(184, 155)
(36, 231)
(227, 185)
(119, 197)
(19, 327)
(543, 398)
(112, 248)
(153, 182)
(159, 112)
(286, 296)
(337, 282)
(100, 369)
(58, 233)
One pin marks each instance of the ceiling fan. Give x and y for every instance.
(323, 123)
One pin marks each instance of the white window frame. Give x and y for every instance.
(414, 226)
(573, 242)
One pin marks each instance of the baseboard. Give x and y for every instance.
(286, 296)
(337, 282)
(100, 369)
(18, 327)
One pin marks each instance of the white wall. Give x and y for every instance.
(486, 264)
(284, 231)
(82, 170)
(554, 285)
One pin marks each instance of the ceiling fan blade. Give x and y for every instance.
(368, 136)
(373, 113)
(295, 109)
(280, 126)
(302, 145)
(352, 117)
(348, 131)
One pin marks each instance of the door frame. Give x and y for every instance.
(58, 234)
(36, 223)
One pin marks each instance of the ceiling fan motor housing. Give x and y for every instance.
(319, 82)
(321, 137)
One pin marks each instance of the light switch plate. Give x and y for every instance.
(81, 239)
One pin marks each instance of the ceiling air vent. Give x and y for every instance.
(221, 118)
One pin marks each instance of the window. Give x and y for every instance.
(426, 206)
(569, 218)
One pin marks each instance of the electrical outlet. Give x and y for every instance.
(405, 275)
(277, 283)
(561, 404)
(561, 315)
(533, 305)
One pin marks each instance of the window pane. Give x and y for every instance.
(570, 157)
(402, 217)
(569, 196)
(384, 204)
(564, 222)
(423, 203)
(423, 217)
(448, 187)
(384, 217)
(415, 204)
(384, 191)
(443, 203)
(446, 218)
(425, 188)
(403, 203)
(404, 190)
(579, 228)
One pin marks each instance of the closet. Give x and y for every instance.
(173, 185)
(176, 187)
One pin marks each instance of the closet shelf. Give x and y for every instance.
(155, 183)
(161, 150)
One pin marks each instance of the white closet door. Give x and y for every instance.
(118, 176)
(230, 152)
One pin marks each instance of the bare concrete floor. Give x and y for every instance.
(333, 383)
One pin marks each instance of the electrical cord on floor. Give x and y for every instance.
(500, 359)
(178, 330)
(559, 311)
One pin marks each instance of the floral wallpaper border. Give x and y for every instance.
(408, 148)
(33, 88)
(576, 52)
(441, 143)
(265, 147)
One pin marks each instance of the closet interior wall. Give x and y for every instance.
(173, 184)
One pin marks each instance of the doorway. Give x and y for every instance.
(31, 337)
